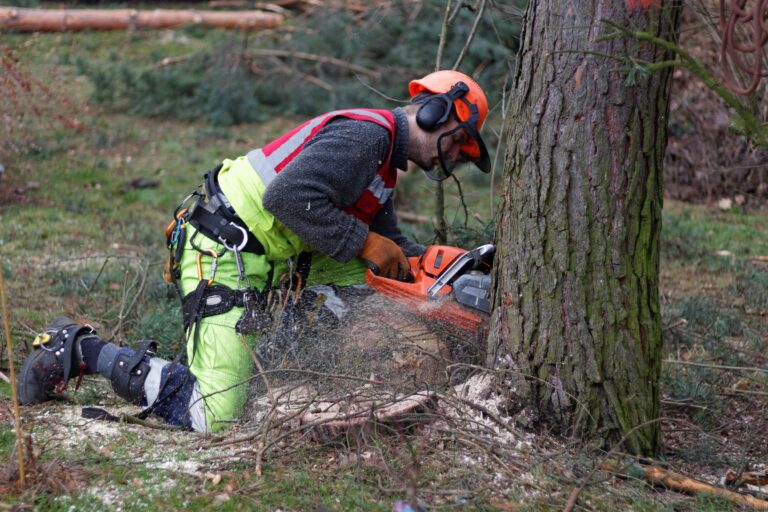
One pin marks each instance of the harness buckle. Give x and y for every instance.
(41, 339)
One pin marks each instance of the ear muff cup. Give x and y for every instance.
(434, 112)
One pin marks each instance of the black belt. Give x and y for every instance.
(214, 217)
(216, 300)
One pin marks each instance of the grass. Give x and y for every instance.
(82, 240)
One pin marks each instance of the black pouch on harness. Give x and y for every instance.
(219, 299)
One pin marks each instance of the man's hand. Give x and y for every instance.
(384, 257)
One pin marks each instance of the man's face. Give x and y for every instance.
(449, 147)
(438, 152)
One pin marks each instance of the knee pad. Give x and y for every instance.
(129, 371)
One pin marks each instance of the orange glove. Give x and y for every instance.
(384, 257)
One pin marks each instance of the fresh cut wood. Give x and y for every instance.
(681, 483)
(73, 20)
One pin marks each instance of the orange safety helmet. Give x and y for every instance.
(471, 107)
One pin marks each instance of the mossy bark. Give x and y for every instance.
(576, 304)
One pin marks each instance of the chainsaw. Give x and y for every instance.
(447, 284)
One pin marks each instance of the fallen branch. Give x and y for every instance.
(63, 20)
(322, 59)
(574, 496)
(329, 420)
(681, 483)
(680, 322)
(747, 478)
(716, 366)
(169, 61)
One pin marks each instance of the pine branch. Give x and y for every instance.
(748, 123)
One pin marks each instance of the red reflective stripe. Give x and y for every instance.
(272, 146)
(279, 167)
(288, 159)
(365, 208)
(275, 156)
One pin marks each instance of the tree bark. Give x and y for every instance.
(63, 20)
(576, 306)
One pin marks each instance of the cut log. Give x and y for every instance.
(681, 483)
(73, 20)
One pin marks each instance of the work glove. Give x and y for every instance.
(384, 257)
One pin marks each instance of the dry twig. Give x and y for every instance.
(717, 366)
(322, 59)
(12, 371)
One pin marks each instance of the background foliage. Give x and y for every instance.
(379, 50)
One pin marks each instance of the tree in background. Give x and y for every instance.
(576, 305)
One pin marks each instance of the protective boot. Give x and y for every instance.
(166, 389)
(56, 357)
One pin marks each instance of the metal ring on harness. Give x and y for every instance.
(243, 243)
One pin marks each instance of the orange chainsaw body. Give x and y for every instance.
(425, 270)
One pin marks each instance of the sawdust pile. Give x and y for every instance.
(378, 341)
(382, 363)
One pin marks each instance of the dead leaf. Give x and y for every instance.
(741, 384)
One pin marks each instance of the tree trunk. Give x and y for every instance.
(576, 305)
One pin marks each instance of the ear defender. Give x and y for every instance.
(436, 109)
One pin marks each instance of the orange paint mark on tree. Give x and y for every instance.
(642, 4)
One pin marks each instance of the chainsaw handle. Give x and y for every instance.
(470, 260)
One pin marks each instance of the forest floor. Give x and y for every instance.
(84, 199)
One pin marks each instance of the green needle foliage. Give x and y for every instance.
(329, 58)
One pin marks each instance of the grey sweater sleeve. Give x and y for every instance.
(385, 224)
(329, 174)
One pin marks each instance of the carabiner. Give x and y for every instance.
(172, 231)
(214, 264)
(240, 247)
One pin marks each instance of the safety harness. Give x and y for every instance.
(214, 217)
(211, 214)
